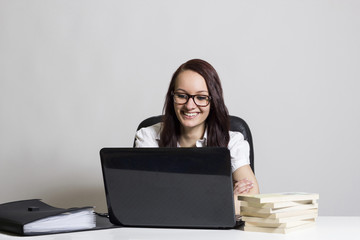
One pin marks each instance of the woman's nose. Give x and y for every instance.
(190, 104)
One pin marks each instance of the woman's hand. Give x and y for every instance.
(243, 186)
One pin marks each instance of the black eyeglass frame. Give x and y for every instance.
(193, 98)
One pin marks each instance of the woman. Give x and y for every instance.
(195, 115)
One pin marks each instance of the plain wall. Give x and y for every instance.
(76, 76)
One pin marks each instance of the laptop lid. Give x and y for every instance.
(169, 187)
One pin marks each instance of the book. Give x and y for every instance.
(278, 197)
(34, 217)
(278, 210)
(276, 204)
(279, 215)
(278, 229)
(280, 225)
(279, 220)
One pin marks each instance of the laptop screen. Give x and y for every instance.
(169, 187)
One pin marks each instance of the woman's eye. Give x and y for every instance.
(201, 98)
(181, 96)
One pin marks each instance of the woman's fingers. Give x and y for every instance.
(243, 186)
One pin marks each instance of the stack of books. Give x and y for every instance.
(279, 212)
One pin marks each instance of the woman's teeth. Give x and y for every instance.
(190, 114)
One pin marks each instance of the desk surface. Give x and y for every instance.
(326, 228)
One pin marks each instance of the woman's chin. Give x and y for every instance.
(190, 124)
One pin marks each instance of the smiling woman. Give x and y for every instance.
(195, 115)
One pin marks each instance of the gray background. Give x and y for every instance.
(76, 76)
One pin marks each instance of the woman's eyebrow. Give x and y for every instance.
(201, 91)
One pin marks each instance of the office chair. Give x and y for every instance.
(236, 124)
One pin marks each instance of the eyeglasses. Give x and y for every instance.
(183, 98)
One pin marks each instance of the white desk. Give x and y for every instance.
(326, 228)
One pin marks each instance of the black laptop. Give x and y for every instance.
(169, 187)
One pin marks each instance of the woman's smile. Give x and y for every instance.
(190, 115)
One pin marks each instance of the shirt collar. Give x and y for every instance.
(199, 143)
(202, 142)
(157, 137)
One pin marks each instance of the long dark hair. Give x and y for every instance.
(218, 120)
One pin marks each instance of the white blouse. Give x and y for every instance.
(238, 146)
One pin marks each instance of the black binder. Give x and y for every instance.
(15, 215)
